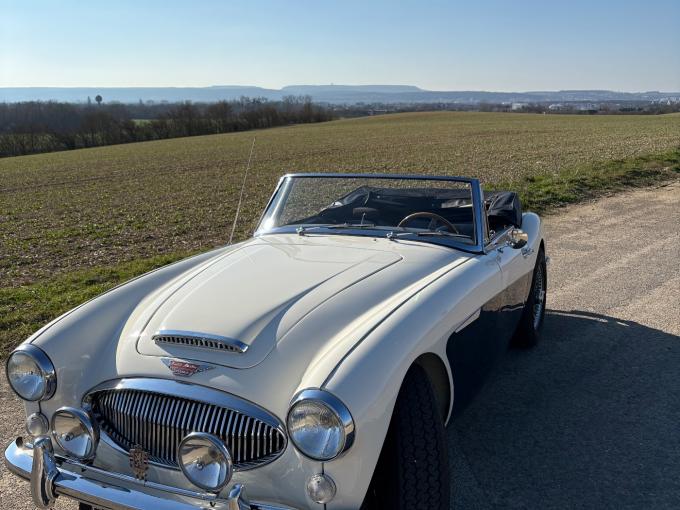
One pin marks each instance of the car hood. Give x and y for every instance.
(252, 296)
(300, 303)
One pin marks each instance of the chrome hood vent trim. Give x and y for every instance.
(199, 340)
(156, 414)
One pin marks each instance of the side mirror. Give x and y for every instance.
(518, 238)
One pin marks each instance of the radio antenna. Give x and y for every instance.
(240, 198)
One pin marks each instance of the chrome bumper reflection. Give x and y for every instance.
(49, 481)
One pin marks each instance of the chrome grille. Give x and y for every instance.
(158, 422)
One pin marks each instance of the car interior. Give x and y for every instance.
(447, 210)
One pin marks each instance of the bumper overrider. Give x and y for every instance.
(51, 476)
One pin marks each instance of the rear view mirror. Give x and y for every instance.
(518, 238)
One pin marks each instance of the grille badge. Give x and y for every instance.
(139, 462)
(183, 368)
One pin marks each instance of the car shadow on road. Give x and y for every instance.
(590, 418)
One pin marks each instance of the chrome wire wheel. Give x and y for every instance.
(539, 296)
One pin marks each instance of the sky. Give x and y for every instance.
(492, 45)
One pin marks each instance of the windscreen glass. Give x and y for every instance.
(423, 208)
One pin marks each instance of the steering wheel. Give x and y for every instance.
(434, 218)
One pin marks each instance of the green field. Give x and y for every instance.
(74, 223)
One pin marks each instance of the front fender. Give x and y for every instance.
(89, 333)
(369, 378)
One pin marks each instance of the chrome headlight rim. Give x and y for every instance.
(86, 420)
(223, 450)
(336, 406)
(43, 363)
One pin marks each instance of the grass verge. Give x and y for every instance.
(545, 193)
(24, 309)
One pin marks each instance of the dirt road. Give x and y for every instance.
(591, 417)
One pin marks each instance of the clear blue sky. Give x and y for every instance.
(441, 45)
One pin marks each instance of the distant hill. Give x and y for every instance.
(335, 89)
(336, 94)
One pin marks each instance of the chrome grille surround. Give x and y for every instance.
(156, 414)
(199, 340)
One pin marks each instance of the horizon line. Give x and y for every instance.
(497, 91)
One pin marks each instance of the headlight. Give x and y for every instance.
(75, 432)
(31, 374)
(205, 461)
(320, 425)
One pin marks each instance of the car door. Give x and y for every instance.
(477, 343)
(516, 271)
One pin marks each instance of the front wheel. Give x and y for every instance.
(529, 329)
(413, 468)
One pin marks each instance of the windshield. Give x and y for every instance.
(429, 209)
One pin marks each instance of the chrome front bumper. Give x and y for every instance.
(111, 491)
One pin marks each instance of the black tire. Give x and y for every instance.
(528, 331)
(413, 468)
(83, 506)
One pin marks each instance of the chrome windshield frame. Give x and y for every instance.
(479, 212)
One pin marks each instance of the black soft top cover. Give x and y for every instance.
(504, 208)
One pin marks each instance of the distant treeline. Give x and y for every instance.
(33, 127)
(572, 107)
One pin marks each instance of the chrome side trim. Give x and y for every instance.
(200, 340)
(44, 364)
(335, 405)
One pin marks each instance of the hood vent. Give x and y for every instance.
(199, 340)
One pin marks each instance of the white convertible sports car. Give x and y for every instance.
(313, 366)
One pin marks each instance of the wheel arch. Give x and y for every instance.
(439, 377)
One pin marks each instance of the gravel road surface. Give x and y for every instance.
(591, 417)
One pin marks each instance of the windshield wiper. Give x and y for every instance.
(352, 225)
(301, 230)
(428, 233)
(438, 233)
